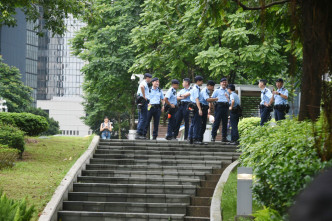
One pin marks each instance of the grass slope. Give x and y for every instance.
(45, 163)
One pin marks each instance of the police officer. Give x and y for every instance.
(143, 91)
(183, 113)
(154, 108)
(280, 98)
(235, 111)
(221, 110)
(266, 102)
(171, 101)
(196, 120)
(204, 99)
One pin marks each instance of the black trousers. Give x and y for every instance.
(182, 114)
(221, 115)
(265, 115)
(234, 120)
(154, 112)
(204, 120)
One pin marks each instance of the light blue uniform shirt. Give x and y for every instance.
(194, 93)
(171, 96)
(278, 99)
(146, 87)
(156, 95)
(234, 97)
(266, 96)
(220, 94)
(184, 91)
(204, 96)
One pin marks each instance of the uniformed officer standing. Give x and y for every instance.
(154, 108)
(183, 113)
(196, 120)
(204, 99)
(171, 100)
(280, 98)
(221, 110)
(235, 110)
(143, 91)
(266, 102)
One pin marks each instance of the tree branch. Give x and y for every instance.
(262, 7)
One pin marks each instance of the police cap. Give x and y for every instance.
(187, 79)
(280, 80)
(223, 79)
(147, 75)
(232, 87)
(198, 78)
(154, 79)
(174, 81)
(210, 82)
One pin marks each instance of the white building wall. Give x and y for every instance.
(67, 111)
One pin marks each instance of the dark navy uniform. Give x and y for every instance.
(171, 96)
(221, 113)
(205, 94)
(234, 116)
(183, 113)
(196, 120)
(265, 111)
(280, 104)
(143, 113)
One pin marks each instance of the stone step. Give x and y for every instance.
(208, 183)
(160, 162)
(200, 201)
(160, 157)
(198, 211)
(164, 152)
(136, 188)
(107, 216)
(212, 177)
(144, 174)
(137, 180)
(124, 207)
(190, 218)
(128, 197)
(159, 168)
(205, 192)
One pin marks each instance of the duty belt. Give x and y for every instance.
(183, 102)
(156, 105)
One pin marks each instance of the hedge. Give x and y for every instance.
(12, 137)
(7, 156)
(31, 124)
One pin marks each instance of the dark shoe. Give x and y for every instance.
(154, 138)
(213, 139)
(174, 138)
(234, 143)
(225, 140)
(168, 138)
(191, 141)
(138, 136)
(198, 142)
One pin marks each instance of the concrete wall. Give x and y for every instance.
(68, 111)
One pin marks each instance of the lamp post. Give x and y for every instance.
(132, 133)
(244, 193)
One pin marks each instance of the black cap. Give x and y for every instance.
(223, 79)
(198, 78)
(174, 81)
(187, 79)
(210, 82)
(280, 80)
(232, 87)
(147, 75)
(154, 79)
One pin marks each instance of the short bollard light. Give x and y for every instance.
(244, 193)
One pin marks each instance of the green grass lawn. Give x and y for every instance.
(45, 162)
(228, 202)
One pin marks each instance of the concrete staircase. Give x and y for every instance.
(148, 180)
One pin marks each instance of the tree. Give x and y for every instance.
(17, 95)
(53, 128)
(105, 44)
(53, 12)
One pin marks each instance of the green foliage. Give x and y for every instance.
(12, 137)
(53, 124)
(7, 156)
(53, 12)
(11, 210)
(31, 124)
(283, 159)
(12, 89)
(267, 214)
(247, 125)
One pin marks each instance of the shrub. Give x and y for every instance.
(12, 137)
(31, 124)
(14, 210)
(267, 214)
(7, 156)
(53, 124)
(248, 124)
(283, 159)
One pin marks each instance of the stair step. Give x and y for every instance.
(200, 201)
(198, 211)
(134, 188)
(158, 168)
(128, 197)
(124, 207)
(160, 157)
(159, 162)
(190, 218)
(144, 174)
(136, 180)
(106, 216)
(212, 177)
(205, 192)
(208, 183)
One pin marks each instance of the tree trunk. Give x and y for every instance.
(315, 55)
(119, 121)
